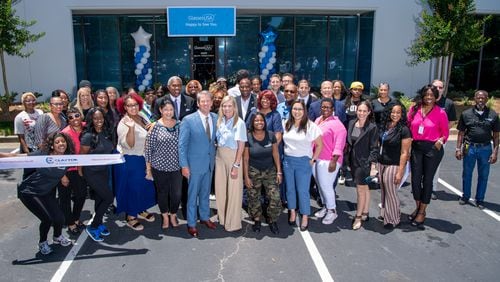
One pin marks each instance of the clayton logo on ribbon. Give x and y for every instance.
(60, 161)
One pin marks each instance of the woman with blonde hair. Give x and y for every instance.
(84, 100)
(231, 137)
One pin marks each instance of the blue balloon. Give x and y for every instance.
(142, 49)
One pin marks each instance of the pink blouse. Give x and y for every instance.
(333, 136)
(431, 127)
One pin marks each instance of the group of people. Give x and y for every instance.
(269, 143)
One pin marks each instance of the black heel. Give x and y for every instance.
(419, 224)
(412, 216)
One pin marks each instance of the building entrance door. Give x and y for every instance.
(203, 58)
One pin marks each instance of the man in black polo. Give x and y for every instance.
(449, 107)
(477, 127)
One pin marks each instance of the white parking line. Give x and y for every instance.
(70, 257)
(316, 257)
(459, 193)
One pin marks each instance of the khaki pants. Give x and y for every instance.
(228, 191)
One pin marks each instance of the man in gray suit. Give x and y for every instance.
(197, 158)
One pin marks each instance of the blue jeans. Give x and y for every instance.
(298, 173)
(198, 197)
(480, 155)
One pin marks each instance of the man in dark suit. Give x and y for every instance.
(326, 92)
(304, 93)
(197, 158)
(183, 104)
(246, 101)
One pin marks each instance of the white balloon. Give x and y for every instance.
(272, 60)
(273, 54)
(142, 87)
(263, 76)
(136, 49)
(144, 61)
(137, 72)
(260, 60)
(262, 54)
(265, 71)
(139, 66)
(148, 76)
(265, 49)
(150, 70)
(269, 66)
(146, 55)
(145, 82)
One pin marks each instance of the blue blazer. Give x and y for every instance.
(195, 150)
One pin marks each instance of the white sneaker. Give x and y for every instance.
(330, 217)
(212, 197)
(61, 240)
(341, 180)
(321, 213)
(44, 248)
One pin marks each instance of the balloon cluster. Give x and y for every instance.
(142, 53)
(267, 55)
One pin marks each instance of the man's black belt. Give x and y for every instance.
(477, 145)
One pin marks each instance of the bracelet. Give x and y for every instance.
(279, 173)
(439, 141)
(235, 165)
(458, 149)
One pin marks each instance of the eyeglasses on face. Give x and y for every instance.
(74, 116)
(57, 104)
(132, 105)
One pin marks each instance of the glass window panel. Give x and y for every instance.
(365, 49)
(310, 49)
(79, 48)
(240, 51)
(173, 56)
(102, 50)
(490, 65)
(343, 48)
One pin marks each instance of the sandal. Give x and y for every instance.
(365, 216)
(357, 222)
(149, 217)
(173, 220)
(134, 224)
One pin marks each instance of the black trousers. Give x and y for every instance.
(425, 159)
(47, 210)
(168, 186)
(98, 180)
(77, 192)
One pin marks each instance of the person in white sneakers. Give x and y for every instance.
(325, 170)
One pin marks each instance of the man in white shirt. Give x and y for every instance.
(235, 90)
(246, 101)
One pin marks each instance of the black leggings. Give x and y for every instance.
(77, 192)
(425, 159)
(98, 180)
(47, 210)
(168, 186)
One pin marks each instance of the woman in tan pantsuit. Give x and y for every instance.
(231, 137)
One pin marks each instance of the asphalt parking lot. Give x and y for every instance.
(460, 243)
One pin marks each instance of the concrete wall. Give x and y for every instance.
(53, 63)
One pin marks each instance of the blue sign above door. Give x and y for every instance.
(201, 21)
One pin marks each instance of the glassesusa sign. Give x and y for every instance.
(201, 21)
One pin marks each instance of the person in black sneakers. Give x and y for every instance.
(477, 127)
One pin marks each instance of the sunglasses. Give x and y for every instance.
(74, 116)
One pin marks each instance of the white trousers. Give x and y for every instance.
(325, 180)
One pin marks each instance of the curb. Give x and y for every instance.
(9, 139)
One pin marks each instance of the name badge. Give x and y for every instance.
(421, 129)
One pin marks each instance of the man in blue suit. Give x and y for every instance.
(197, 158)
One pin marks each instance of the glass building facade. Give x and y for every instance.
(481, 69)
(312, 47)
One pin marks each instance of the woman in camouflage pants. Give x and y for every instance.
(262, 168)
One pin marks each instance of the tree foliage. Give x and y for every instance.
(14, 35)
(447, 27)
